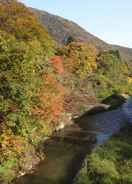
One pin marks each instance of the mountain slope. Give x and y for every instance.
(61, 29)
(125, 52)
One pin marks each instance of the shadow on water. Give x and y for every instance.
(64, 159)
(67, 149)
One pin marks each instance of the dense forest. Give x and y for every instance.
(38, 77)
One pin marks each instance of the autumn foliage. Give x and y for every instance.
(51, 96)
(21, 22)
(80, 58)
(28, 85)
(37, 86)
(57, 62)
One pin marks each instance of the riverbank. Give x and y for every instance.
(67, 149)
(65, 152)
(110, 163)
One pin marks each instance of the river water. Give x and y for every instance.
(67, 150)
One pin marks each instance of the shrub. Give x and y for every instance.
(25, 47)
(111, 75)
(110, 163)
(80, 58)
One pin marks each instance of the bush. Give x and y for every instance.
(80, 58)
(110, 163)
(21, 22)
(25, 47)
(111, 75)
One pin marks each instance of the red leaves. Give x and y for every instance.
(51, 96)
(52, 92)
(57, 62)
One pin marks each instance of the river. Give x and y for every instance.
(67, 149)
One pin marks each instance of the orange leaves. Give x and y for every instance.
(57, 62)
(51, 96)
(57, 106)
(12, 142)
(21, 22)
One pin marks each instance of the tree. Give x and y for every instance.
(70, 39)
(80, 58)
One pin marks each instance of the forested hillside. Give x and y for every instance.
(42, 83)
(28, 85)
(62, 29)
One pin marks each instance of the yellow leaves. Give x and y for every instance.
(129, 80)
(18, 20)
(80, 58)
(11, 144)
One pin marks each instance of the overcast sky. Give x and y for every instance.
(110, 20)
